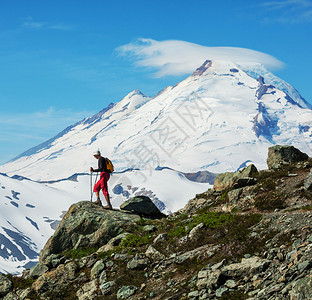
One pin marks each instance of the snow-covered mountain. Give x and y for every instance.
(216, 119)
(221, 118)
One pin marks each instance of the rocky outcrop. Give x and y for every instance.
(218, 246)
(308, 182)
(238, 179)
(284, 155)
(141, 205)
(5, 285)
(85, 225)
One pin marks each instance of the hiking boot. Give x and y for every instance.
(108, 206)
(98, 202)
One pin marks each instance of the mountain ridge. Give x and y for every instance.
(214, 83)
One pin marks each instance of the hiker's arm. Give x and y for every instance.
(101, 166)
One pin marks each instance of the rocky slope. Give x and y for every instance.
(248, 238)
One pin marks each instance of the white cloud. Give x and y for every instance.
(290, 11)
(30, 23)
(174, 57)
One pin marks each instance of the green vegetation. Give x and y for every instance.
(78, 253)
(270, 201)
(21, 282)
(136, 240)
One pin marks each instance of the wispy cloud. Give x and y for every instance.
(37, 126)
(32, 24)
(289, 11)
(174, 57)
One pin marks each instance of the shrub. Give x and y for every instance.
(270, 201)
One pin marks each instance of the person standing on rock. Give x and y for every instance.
(102, 183)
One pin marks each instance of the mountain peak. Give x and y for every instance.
(203, 68)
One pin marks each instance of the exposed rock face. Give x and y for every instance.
(5, 285)
(308, 182)
(85, 225)
(142, 205)
(236, 180)
(281, 155)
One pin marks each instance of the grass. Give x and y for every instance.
(78, 253)
(135, 240)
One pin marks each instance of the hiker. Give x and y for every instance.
(102, 183)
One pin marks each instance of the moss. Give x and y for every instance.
(212, 220)
(79, 253)
(136, 240)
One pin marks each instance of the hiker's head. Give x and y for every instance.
(97, 154)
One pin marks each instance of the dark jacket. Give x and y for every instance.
(102, 167)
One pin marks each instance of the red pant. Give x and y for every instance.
(102, 183)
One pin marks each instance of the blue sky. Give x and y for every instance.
(61, 61)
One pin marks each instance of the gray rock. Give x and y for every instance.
(141, 205)
(126, 291)
(5, 285)
(88, 291)
(206, 250)
(194, 232)
(160, 238)
(112, 243)
(208, 279)
(86, 225)
(302, 288)
(193, 294)
(280, 155)
(230, 284)
(103, 277)
(10, 296)
(246, 266)
(304, 265)
(221, 291)
(38, 270)
(238, 179)
(149, 228)
(154, 254)
(138, 262)
(106, 287)
(97, 269)
(308, 182)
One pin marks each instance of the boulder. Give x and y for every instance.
(281, 155)
(126, 291)
(5, 285)
(237, 179)
(138, 262)
(308, 182)
(141, 205)
(106, 287)
(248, 266)
(38, 270)
(56, 279)
(85, 225)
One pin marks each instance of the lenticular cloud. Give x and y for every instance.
(173, 57)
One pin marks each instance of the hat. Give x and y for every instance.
(97, 152)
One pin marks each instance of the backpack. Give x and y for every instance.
(109, 165)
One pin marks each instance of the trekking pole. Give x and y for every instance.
(91, 186)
